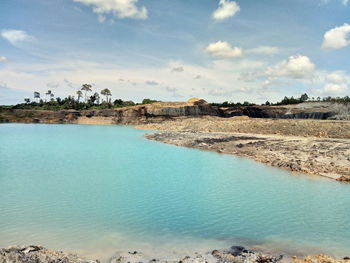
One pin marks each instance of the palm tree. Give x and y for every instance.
(36, 96)
(86, 88)
(106, 92)
(80, 95)
(26, 100)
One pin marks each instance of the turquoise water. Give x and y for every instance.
(102, 188)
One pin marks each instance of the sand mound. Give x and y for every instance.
(196, 101)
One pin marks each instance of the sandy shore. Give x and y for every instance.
(307, 146)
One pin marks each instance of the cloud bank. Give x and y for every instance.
(295, 67)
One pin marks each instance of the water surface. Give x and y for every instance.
(97, 189)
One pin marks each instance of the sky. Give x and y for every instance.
(172, 50)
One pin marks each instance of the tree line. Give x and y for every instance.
(287, 101)
(84, 99)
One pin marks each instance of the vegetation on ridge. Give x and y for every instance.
(287, 101)
(49, 102)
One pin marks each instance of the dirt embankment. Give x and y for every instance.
(139, 114)
(307, 146)
(160, 111)
(284, 127)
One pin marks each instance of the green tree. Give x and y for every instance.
(304, 97)
(86, 88)
(118, 102)
(106, 92)
(26, 100)
(148, 101)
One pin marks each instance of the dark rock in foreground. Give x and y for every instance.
(236, 254)
(38, 254)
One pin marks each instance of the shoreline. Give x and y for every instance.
(274, 151)
(233, 254)
(325, 155)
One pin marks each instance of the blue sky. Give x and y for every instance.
(253, 50)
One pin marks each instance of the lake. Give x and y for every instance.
(99, 189)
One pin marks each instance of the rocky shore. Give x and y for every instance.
(235, 254)
(38, 254)
(306, 146)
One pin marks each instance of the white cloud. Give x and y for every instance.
(335, 83)
(337, 37)
(3, 59)
(344, 2)
(225, 10)
(333, 88)
(15, 36)
(264, 50)
(296, 67)
(336, 78)
(118, 8)
(223, 49)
